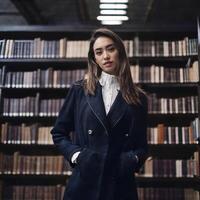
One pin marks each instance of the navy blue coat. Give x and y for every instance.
(106, 165)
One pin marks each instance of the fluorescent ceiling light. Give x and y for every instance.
(113, 12)
(113, 1)
(112, 6)
(111, 22)
(123, 18)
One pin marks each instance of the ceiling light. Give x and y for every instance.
(113, 6)
(123, 18)
(113, 12)
(111, 22)
(113, 1)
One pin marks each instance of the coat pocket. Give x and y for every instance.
(88, 162)
(127, 165)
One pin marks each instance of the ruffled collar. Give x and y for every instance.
(109, 80)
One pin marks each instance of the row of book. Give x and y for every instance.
(55, 165)
(25, 106)
(35, 165)
(46, 192)
(163, 74)
(42, 78)
(186, 104)
(30, 106)
(38, 134)
(33, 106)
(25, 134)
(33, 192)
(63, 48)
(50, 107)
(162, 134)
(171, 168)
(165, 193)
(39, 48)
(51, 78)
(165, 48)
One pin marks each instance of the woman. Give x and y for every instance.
(106, 114)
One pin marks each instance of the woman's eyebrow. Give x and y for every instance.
(107, 46)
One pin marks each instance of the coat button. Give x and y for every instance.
(126, 134)
(89, 131)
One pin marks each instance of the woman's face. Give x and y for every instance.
(106, 54)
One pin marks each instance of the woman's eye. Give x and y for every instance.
(111, 49)
(98, 53)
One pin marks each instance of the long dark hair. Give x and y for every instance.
(129, 90)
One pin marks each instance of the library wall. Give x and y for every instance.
(35, 75)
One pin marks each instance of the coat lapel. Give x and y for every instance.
(117, 110)
(97, 106)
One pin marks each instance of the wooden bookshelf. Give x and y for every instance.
(16, 91)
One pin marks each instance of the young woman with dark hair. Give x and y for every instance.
(107, 114)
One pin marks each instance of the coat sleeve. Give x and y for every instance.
(133, 159)
(64, 125)
(140, 144)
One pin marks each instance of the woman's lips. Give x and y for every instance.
(108, 64)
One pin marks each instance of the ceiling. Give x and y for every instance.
(84, 12)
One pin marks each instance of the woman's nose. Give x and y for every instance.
(105, 55)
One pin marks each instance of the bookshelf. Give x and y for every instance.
(37, 66)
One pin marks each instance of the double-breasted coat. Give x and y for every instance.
(108, 144)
